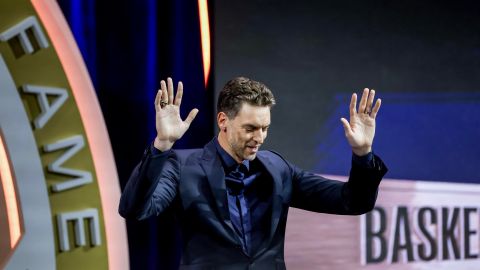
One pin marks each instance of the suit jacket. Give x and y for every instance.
(192, 182)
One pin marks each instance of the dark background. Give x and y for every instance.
(422, 57)
(312, 52)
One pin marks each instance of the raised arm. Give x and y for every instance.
(152, 187)
(358, 195)
(313, 192)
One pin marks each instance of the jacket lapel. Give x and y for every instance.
(277, 197)
(213, 169)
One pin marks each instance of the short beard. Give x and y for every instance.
(240, 152)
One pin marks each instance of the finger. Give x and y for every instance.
(164, 100)
(376, 108)
(371, 96)
(178, 97)
(157, 99)
(353, 105)
(170, 90)
(191, 116)
(163, 86)
(346, 127)
(363, 101)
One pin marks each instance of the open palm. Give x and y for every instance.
(360, 130)
(170, 126)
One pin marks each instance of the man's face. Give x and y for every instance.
(246, 131)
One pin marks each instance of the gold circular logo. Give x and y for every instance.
(59, 187)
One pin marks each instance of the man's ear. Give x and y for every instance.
(222, 121)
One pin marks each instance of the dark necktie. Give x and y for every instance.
(240, 217)
(235, 179)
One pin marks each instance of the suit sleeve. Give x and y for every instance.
(357, 196)
(152, 186)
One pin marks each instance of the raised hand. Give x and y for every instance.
(361, 128)
(170, 127)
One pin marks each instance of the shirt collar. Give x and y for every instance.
(229, 163)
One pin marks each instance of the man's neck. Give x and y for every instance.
(222, 140)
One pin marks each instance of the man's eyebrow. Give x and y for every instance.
(254, 126)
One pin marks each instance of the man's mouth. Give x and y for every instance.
(253, 148)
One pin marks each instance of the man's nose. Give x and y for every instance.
(258, 137)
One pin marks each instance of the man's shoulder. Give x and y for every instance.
(185, 154)
(271, 156)
(269, 153)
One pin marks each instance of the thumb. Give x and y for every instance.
(346, 126)
(191, 116)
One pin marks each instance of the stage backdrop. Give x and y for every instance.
(59, 184)
(422, 57)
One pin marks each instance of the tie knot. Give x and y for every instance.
(242, 168)
(239, 172)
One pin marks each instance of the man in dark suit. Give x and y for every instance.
(231, 199)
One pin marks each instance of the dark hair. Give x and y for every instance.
(239, 90)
